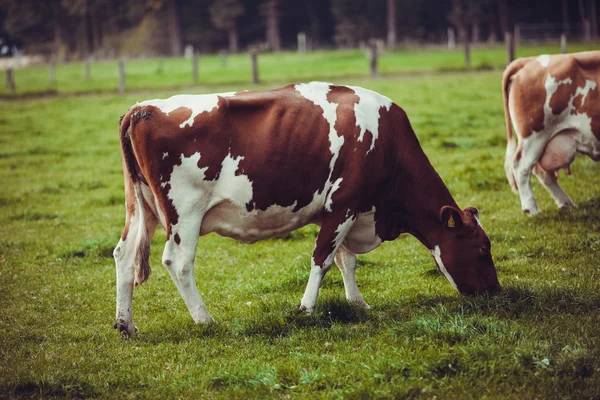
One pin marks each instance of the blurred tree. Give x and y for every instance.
(565, 15)
(594, 19)
(587, 14)
(224, 15)
(174, 27)
(107, 28)
(391, 23)
(503, 15)
(40, 25)
(270, 11)
(464, 14)
(351, 23)
(197, 28)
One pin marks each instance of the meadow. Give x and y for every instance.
(284, 67)
(62, 212)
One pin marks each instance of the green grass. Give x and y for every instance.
(282, 67)
(62, 211)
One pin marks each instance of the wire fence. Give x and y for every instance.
(547, 33)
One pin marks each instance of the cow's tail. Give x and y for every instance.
(135, 203)
(511, 145)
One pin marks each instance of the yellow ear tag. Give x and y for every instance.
(451, 222)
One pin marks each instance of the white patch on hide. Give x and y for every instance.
(570, 118)
(341, 231)
(367, 112)
(544, 60)
(236, 188)
(317, 93)
(329, 200)
(363, 237)
(186, 191)
(197, 103)
(437, 255)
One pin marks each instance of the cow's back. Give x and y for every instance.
(262, 163)
(549, 90)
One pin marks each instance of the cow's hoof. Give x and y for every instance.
(567, 205)
(305, 310)
(206, 321)
(531, 212)
(127, 330)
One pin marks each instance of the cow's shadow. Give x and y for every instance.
(282, 319)
(585, 213)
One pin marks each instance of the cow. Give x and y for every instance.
(554, 104)
(257, 164)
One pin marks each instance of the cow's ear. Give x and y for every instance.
(473, 211)
(451, 217)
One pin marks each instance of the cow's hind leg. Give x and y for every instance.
(346, 262)
(550, 182)
(333, 232)
(528, 153)
(178, 258)
(131, 257)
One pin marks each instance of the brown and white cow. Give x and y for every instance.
(253, 165)
(554, 105)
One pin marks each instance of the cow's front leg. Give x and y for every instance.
(529, 151)
(178, 258)
(346, 262)
(333, 231)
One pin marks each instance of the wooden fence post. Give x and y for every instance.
(52, 72)
(373, 59)
(195, 58)
(302, 42)
(161, 65)
(510, 46)
(87, 63)
(254, 57)
(10, 80)
(563, 43)
(451, 39)
(121, 76)
(517, 35)
(223, 59)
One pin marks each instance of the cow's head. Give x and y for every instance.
(464, 252)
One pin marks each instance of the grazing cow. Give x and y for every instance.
(254, 165)
(554, 104)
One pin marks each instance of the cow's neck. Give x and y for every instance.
(424, 209)
(421, 194)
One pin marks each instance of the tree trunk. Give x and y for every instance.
(83, 37)
(174, 28)
(97, 32)
(272, 25)
(391, 23)
(315, 26)
(503, 15)
(233, 40)
(475, 32)
(585, 22)
(492, 38)
(565, 16)
(593, 19)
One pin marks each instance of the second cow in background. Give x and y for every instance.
(554, 104)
